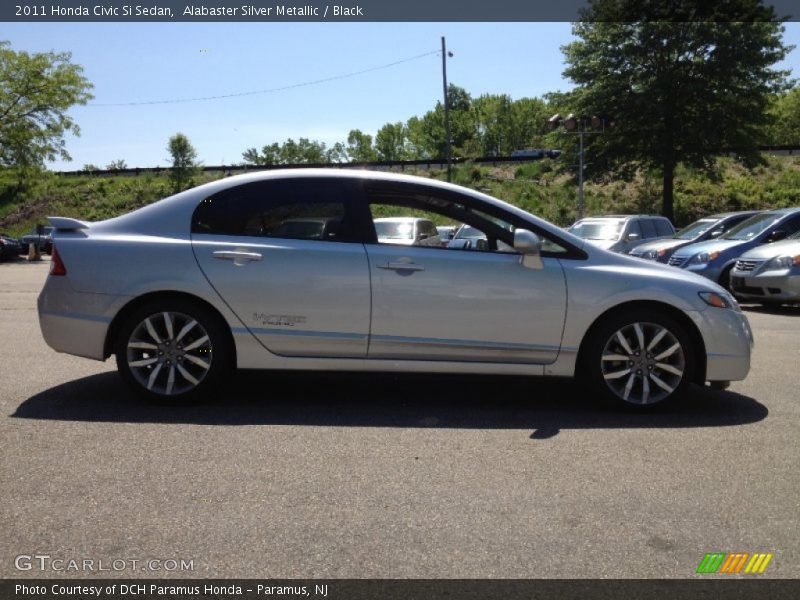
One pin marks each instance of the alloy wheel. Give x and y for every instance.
(643, 363)
(169, 353)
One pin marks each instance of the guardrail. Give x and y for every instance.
(380, 165)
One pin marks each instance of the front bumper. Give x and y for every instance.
(728, 340)
(769, 286)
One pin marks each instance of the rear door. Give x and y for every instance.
(284, 256)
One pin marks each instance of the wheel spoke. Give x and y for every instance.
(660, 383)
(645, 390)
(170, 380)
(196, 344)
(639, 335)
(628, 386)
(669, 351)
(143, 363)
(624, 343)
(656, 339)
(142, 346)
(197, 360)
(187, 376)
(669, 369)
(151, 330)
(153, 376)
(186, 329)
(168, 323)
(614, 357)
(616, 374)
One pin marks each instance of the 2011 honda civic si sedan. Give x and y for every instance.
(186, 289)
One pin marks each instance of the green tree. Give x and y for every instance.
(785, 110)
(390, 142)
(682, 85)
(184, 162)
(359, 146)
(36, 91)
(117, 164)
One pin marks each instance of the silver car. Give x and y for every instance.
(769, 274)
(183, 291)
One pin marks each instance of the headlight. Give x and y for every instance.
(784, 262)
(704, 257)
(650, 254)
(719, 300)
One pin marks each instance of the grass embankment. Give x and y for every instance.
(538, 187)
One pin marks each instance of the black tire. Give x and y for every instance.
(645, 377)
(725, 278)
(181, 357)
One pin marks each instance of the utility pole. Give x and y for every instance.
(446, 111)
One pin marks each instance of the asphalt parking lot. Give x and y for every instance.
(380, 476)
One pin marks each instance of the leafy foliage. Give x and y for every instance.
(680, 89)
(184, 162)
(36, 90)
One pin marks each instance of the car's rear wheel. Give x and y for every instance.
(640, 359)
(173, 351)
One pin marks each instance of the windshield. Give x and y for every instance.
(696, 229)
(393, 230)
(751, 227)
(597, 230)
(795, 235)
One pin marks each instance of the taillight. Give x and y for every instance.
(56, 264)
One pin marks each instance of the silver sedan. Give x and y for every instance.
(185, 290)
(769, 274)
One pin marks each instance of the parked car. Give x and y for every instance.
(701, 230)
(467, 237)
(536, 153)
(201, 295)
(715, 259)
(407, 231)
(43, 240)
(9, 247)
(769, 274)
(621, 233)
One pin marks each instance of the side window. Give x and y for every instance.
(790, 226)
(648, 228)
(663, 227)
(633, 227)
(304, 209)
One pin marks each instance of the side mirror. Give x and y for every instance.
(776, 235)
(631, 237)
(529, 245)
(716, 233)
(423, 236)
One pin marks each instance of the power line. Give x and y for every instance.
(272, 90)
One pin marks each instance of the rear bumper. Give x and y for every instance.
(75, 322)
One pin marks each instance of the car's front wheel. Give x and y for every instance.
(173, 350)
(640, 359)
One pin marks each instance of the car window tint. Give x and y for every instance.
(648, 228)
(791, 225)
(663, 227)
(287, 209)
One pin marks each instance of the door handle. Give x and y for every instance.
(402, 266)
(238, 256)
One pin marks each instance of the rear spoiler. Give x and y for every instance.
(68, 224)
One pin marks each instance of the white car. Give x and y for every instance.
(407, 231)
(186, 289)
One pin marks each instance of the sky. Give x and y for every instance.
(143, 62)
